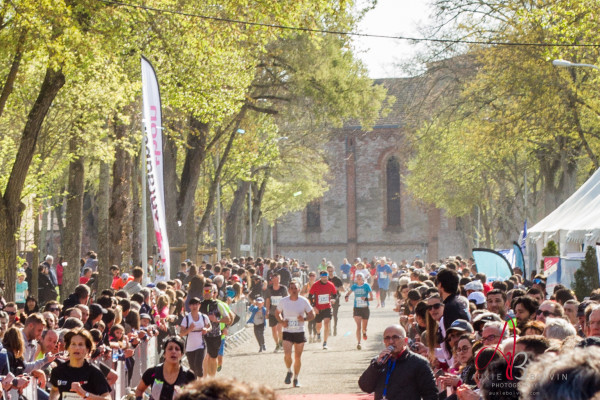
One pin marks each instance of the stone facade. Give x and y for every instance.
(353, 218)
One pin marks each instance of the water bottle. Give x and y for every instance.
(115, 355)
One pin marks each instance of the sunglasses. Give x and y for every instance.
(538, 281)
(393, 337)
(53, 309)
(208, 291)
(545, 312)
(11, 312)
(434, 306)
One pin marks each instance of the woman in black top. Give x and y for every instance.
(77, 378)
(164, 379)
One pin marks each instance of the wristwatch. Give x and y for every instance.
(87, 395)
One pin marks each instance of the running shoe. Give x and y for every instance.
(219, 368)
(288, 378)
(318, 338)
(325, 346)
(276, 349)
(364, 335)
(260, 349)
(358, 347)
(264, 347)
(296, 383)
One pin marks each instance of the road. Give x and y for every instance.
(323, 371)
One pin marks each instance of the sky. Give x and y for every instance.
(389, 17)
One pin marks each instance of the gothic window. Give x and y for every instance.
(392, 177)
(313, 216)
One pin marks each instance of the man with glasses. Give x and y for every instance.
(397, 372)
(492, 333)
(210, 307)
(549, 309)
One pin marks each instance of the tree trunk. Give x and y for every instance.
(72, 244)
(105, 279)
(234, 218)
(120, 206)
(136, 215)
(11, 207)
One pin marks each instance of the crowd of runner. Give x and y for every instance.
(449, 315)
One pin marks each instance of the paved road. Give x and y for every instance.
(323, 371)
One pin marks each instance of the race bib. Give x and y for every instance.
(382, 275)
(71, 396)
(275, 300)
(294, 325)
(323, 299)
(344, 276)
(20, 298)
(361, 302)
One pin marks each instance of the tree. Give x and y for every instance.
(586, 277)
(513, 112)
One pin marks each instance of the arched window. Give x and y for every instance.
(392, 177)
(313, 216)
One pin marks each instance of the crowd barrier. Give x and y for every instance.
(30, 392)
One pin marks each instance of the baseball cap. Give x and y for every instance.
(195, 300)
(97, 309)
(124, 276)
(475, 285)
(481, 319)
(461, 325)
(260, 300)
(145, 316)
(235, 278)
(477, 297)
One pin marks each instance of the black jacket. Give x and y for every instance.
(412, 378)
(453, 310)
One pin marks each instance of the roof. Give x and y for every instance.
(577, 219)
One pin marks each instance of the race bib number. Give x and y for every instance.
(20, 298)
(323, 299)
(275, 300)
(344, 276)
(71, 396)
(294, 325)
(361, 302)
(382, 275)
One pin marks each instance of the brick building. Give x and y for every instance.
(366, 212)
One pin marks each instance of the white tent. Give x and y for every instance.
(574, 225)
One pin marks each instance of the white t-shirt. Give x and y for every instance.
(291, 310)
(195, 340)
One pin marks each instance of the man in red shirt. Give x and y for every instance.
(321, 295)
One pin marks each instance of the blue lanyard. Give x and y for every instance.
(390, 369)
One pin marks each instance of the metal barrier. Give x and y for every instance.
(30, 392)
(120, 388)
(240, 309)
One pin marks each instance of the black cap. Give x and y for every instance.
(195, 300)
(97, 309)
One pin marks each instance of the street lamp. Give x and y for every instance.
(569, 64)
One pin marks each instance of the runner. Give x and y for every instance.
(273, 295)
(195, 325)
(383, 279)
(321, 294)
(345, 269)
(210, 307)
(362, 295)
(291, 312)
(312, 330)
(335, 306)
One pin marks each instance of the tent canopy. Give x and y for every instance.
(577, 220)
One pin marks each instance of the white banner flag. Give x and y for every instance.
(152, 120)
